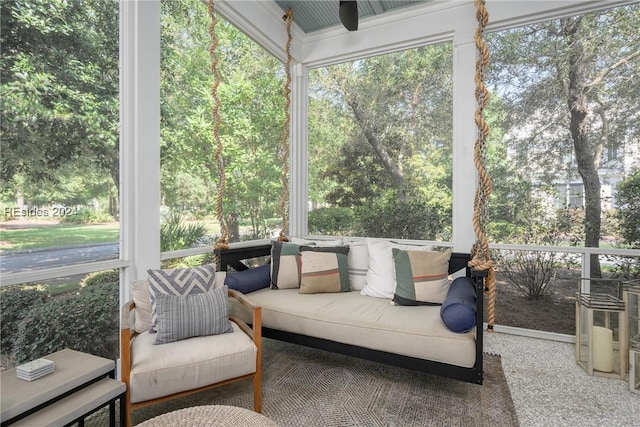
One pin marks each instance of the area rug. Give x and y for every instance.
(309, 387)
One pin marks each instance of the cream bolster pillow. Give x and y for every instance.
(458, 311)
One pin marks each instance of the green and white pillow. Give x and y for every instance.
(324, 269)
(180, 281)
(193, 315)
(285, 265)
(380, 278)
(422, 277)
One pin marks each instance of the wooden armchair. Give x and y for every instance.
(157, 373)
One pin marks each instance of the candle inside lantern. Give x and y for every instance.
(602, 349)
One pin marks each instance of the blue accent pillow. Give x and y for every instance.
(249, 280)
(458, 311)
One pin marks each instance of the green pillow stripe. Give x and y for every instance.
(404, 275)
(421, 277)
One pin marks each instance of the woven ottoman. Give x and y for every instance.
(210, 415)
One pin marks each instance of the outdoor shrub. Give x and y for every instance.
(394, 218)
(333, 220)
(175, 234)
(87, 321)
(628, 198)
(101, 277)
(14, 305)
(87, 216)
(530, 272)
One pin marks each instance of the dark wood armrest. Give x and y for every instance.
(233, 256)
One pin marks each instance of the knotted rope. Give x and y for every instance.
(480, 251)
(284, 148)
(223, 241)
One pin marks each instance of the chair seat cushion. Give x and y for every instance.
(162, 370)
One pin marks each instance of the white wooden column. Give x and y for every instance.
(298, 176)
(139, 139)
(464, 135)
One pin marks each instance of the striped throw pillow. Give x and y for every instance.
(195, 315)
(179, 281)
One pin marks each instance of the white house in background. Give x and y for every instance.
(614, 168)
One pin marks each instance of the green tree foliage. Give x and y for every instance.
(381, 128)
(252, 115)
(58, 91)
(628, 213)
(400, 219)
(570, 88)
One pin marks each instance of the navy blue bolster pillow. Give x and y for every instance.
(458, 311)
(249, 280)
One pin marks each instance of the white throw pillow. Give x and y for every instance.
(381, 278)
(358, 263)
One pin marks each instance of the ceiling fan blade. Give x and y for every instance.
(349, 14)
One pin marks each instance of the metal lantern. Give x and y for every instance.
(632, 303)
(601, 336)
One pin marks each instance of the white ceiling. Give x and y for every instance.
(314, 15)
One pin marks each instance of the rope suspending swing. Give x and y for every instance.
(223, 241)
(284, 149)
(480, 251)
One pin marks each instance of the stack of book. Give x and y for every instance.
(35, 369)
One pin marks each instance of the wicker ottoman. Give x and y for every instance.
(210, 415)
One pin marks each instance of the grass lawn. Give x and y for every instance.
(39, 236)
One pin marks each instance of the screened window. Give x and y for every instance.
(59, 199)
(251, 129)
(380, 144)
(60, 116)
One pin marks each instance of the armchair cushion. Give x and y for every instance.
(161, 370)
(201, 314)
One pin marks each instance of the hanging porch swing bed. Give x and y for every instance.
(373, 299)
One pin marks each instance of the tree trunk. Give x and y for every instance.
(397, 177)
(586, 158)
(233, 226)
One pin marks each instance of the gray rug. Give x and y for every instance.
(308, 387)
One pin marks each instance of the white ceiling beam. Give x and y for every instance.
(262, 22)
